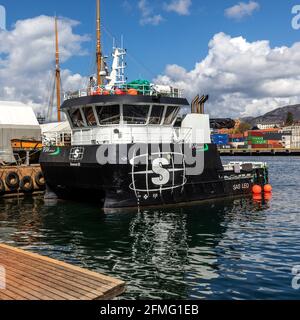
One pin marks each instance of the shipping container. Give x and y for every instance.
(258, 141)
(274, 142)
(273, 136)
(236, 136)
(260, 146)
(237, 139)
(220, 139)
(255, 134)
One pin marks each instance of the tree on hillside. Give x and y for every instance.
(243, 127)
(289, 119)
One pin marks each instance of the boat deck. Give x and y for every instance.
(259, 152)
(28, 276)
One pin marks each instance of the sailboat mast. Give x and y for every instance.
(99, 51)
(57, 72)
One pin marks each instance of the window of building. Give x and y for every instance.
(76, 118)
(135, 114)
(171, 115)
(156, 114)
(108, 114)
(90, 116)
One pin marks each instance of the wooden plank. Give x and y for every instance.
(57, 263)
(52, 272)
(33, 277)
(60, 277)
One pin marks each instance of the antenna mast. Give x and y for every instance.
(57, 72)
(99, 53)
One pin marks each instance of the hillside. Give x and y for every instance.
(276, 116)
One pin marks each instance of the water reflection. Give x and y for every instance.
(163, 253)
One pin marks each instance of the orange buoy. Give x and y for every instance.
(97, 92)
(268, 188)
(106, 93)
(257, 189)
(120, 92)
(132, 92)
(257, 197)
(268, 196)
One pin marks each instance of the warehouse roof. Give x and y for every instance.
(17, 114)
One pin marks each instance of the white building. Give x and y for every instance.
(17, 121)
(264, 126)
(291, 137)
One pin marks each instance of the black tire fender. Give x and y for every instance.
(26, 184)
(12, 181)
(2, 187)
(40, 180)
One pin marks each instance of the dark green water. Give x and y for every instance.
(234, 249)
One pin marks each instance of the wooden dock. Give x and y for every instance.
(259, 152)
(29, 276)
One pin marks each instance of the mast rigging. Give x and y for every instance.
(57, 72)
(99, 50)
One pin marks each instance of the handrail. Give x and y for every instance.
(145, 90)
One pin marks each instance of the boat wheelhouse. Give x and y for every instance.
(123, 118)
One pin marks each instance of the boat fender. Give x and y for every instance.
(2, 187)
(40, 180)
(268, 188)
(12, 181)
(257, 189)
(26, 184)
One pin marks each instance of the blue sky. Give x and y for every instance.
(244, 53)
(178, 39)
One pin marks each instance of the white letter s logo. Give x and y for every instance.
(76, 154)
(164, 175)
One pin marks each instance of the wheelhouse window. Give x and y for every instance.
(76, 118)
(171, 115)
(156, 114)
(135, 114)
(90, 116)
(108, 114)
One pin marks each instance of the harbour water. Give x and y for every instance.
(226, 249)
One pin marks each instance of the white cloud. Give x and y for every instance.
(243, 78)
(182, 7)
(147, 15)
(27, 58)
(242, 10)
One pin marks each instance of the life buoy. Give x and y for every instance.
(40, 180)
(2, 187)
(133, 92)
(120, 92)
(97, 92)
(26, 184)
(12, 181)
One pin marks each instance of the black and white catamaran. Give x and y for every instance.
(126, 148)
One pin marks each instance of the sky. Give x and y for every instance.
(244, 54)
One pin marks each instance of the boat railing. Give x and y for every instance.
(119, 135)
(58, 139)
(237, 166)
(126, 89)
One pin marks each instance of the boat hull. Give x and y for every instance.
(75, 173)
